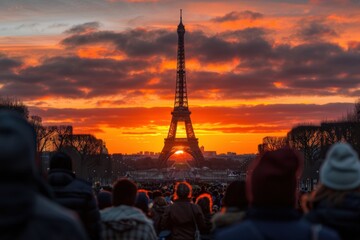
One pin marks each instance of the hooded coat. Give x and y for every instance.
(126, 223)
(179, 219)
(228, 217)
(77, 195)
(344, 218)
(25, 209)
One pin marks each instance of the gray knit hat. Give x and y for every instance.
(341, 169)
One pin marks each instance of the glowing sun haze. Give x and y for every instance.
(254, 68)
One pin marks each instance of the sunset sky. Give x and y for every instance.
(254, 68)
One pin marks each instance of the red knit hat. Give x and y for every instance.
(272, 179)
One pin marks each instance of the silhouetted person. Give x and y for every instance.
(104, 198)
(271, 191)
(142, 202)
(234, 206)
(182, 217)
(74, 194)
(336, 202)
(24, 212)
(157, 211)
(123, 220)
(204, 201)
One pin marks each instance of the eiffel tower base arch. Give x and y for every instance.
(190, 146)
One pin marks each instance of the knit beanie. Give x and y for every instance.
(273, 178)
(341, 168)
(17, 147)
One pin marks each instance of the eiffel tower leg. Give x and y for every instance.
(197, 154)
(165, 154)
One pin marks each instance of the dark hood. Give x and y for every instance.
(19, 180)
(60, 177)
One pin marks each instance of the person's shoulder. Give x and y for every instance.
(45, 209)
(325, 233)
(322, 232)
(54, 218)
(233, 231)
(82, 185)
(82, 182)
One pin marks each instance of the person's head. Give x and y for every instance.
(60, 160)
(273, 178)
(235, 195)
(339, 175)
(167, 194)
(183, 190)
(160, 201)
(124, 193)
(17, 147)
(156, 194)
(215, 208)
(142, 201)
(150, 195)
(341, 168)
(104, 198)
(205, 203)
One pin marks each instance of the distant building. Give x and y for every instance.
(231, 153)
(207, 154)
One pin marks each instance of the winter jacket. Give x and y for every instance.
(226, 218)
(25, 214)
(76, 195)
(208, 224)
(344, 218)
(275, 224)
(156, 213)
(179, 219)
(126, 223)
(24, 211)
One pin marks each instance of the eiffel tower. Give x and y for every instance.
(181, 112)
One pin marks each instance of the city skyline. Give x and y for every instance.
(254, 68)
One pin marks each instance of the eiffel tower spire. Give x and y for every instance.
(181, 100)
(181, 111)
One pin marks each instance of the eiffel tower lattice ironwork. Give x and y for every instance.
(181, 112)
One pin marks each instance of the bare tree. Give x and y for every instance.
(354, 116)
(342, 131)
(90, 150)
(61, 137)
(44, 134)
(14, 104)
(273, 143)
(306, 139)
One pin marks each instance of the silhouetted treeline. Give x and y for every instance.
(315, 140)
(91, 159)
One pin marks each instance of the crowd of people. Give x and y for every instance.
(266, 206)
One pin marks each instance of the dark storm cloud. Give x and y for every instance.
(317, 69)
(83, 28)
(76, 77)
(8, 64)
(233, 16)
(264, 69)
(249, 42)
(315, 30)
(135, 42)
